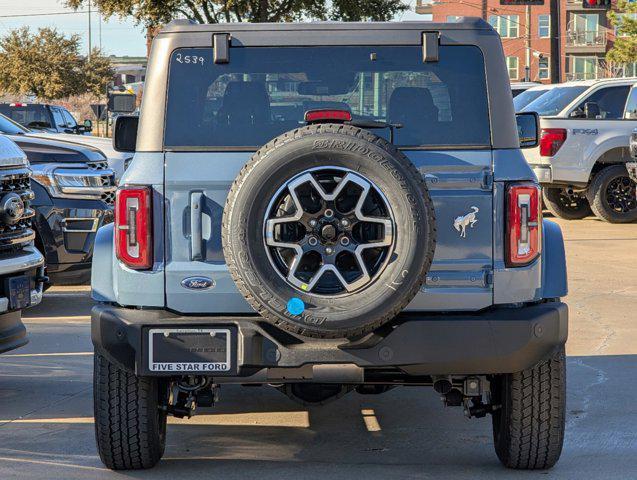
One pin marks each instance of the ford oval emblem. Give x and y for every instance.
(198, 283)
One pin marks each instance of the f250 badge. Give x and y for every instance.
(198, 283)
(585, 131)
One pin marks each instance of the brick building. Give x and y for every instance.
(585, 35)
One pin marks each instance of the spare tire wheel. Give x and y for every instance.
(328, 231)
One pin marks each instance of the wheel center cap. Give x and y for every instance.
(328, 232)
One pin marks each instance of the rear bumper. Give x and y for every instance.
(543, 173)
(29, 262)
(498, 340)
(557, 175)
(13, 334)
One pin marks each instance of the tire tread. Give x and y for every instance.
(533, 416)
(126, 427)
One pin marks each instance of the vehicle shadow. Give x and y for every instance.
(66, 305)
(257, 431)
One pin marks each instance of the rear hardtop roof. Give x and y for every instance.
(466, 31)
(462, 23)
(599, 81)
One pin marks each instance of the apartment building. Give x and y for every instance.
(585, 35)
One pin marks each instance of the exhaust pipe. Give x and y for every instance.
(442, 385)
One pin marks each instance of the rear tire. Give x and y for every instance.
(528, 429)
(130, 429)
(611, 195)
(563, 205)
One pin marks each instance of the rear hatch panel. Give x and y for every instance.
(460, 277)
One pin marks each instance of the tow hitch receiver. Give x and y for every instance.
(188, 394)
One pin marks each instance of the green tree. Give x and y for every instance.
(48, 64)
(96, 73)
(625, 19)
(157, 12)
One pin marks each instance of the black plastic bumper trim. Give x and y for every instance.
(498, 340)
(13, 333)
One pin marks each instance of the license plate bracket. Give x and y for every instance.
(19, 289)
(191, 350)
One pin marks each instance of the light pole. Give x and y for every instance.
(527, 68)
(89, 31)
(556, 68)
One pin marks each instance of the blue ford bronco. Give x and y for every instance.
(324, 208)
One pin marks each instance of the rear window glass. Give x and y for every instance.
(264, 92)
(10, 128)
(31, 116)
(526, 97)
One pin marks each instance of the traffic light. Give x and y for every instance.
(596, 4)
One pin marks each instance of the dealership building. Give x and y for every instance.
(576, 51)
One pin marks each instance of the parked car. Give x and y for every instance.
(269, 178)
(117, 161)
(530, 94)
(519, 87)
(21, 264)
(581, 159)
(45, 117)
(74, 192)
(35, 118)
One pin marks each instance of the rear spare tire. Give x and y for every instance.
(328, 231)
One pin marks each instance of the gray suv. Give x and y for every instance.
(324, 208)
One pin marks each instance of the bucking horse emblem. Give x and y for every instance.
(469, 220)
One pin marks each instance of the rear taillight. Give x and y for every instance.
(133, 240)
(551, 140)
(524, 224)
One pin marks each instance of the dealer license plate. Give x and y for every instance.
(189, 350)
(19, 292)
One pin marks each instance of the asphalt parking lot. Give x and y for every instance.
(46, 429)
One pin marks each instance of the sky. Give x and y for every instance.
(119, 37)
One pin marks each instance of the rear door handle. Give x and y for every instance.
(196, 238)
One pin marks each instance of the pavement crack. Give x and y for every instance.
(601, 377)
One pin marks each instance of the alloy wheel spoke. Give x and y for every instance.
(329, 246)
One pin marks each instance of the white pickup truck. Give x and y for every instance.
(583, 151)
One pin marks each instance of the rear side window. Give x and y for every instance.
(610, 100)
(264, 92)
(59, 119)
(68, 119)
